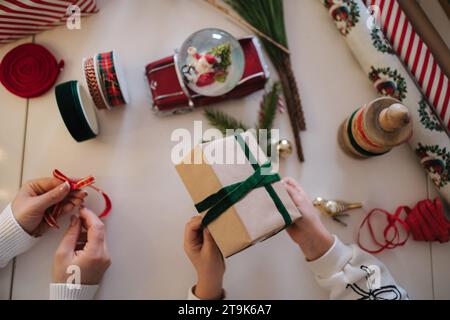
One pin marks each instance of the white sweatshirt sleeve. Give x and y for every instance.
(64, 291)
(192, 296)
(348, 272)
(13, 239)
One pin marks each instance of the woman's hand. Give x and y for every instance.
(206, 258)
(308, 232)
(36, 196)
(92, 257)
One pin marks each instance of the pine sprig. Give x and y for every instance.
(267, 16)
(222, 121)
(267, 113)
(268, 108)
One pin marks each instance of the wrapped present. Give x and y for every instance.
(169, 95)
(242, 202)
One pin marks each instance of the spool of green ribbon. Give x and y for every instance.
(228, 196)
(77, 110)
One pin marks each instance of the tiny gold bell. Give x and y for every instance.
(335, 208)
(284, 148)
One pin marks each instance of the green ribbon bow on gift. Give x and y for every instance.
(228, 196)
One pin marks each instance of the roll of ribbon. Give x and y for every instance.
(77, 110)
(29, 70)
(111, 79)
(92, 83)
(425, 222)
(94, 61)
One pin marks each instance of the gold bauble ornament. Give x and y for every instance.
(284, 148)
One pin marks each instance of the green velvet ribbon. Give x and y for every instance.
(71, 110)
(228, 196)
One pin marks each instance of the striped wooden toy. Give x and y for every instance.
(375, 128)
(22, 18)
(415, 55)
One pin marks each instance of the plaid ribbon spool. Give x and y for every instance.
(109, 80)
(93, 85)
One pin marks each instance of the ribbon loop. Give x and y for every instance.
(52, 213)
(230, 195)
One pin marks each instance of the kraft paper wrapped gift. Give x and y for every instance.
(240, 206)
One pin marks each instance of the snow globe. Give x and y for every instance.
(211, 62)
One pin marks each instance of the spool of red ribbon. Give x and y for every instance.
(29, 70)
(425, 222)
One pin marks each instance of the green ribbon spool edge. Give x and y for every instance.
(226, 197)
(76, 111)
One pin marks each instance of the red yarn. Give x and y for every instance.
(29, 70)
(425, 222)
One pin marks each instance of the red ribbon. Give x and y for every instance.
(425, 222)
(52, 213)
(29, 70)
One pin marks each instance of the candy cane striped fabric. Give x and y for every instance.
(22, 18)
(415, 55)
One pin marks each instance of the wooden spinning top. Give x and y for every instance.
(376, 128)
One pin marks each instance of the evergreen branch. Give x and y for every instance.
(229, 13)
(269, 106)
(222, 121)
(267, 16)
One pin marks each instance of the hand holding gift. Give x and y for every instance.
(309, 232)
(206, 259)
(241, 201)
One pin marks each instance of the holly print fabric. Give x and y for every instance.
(389, 78)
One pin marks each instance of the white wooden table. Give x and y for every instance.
(131, 160)
(13, 116)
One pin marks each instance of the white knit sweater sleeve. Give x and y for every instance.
(348, 272)
(13, 239)
(64, 291)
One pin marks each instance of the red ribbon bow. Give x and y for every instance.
(425, 222)
(52, 213)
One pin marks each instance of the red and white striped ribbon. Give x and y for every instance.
(22, 18)
(415, 55)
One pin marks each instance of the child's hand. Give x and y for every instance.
(36, 196)
(308, 232)
(206, 258)
(92, 259)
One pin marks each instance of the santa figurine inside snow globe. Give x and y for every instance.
(211, 62)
